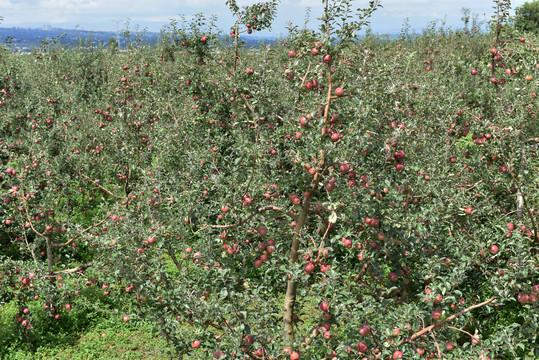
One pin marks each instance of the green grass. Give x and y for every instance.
(116, 341)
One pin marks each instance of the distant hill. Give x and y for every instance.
(25, 39)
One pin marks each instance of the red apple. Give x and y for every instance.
(195, 344)
(397, 355)
(347, 243)
(365, 330)
(362, 347)
(436, 314)
(339, 91)
(523, 298)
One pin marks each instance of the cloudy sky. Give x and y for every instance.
(155, 14)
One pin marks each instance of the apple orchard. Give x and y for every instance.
(326, 197)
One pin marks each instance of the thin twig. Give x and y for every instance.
(248, 217)
(82, 232)
(99, 186)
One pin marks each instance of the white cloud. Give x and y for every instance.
(92, 13)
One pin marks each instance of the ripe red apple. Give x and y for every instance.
(522, 39)
(294, 355)
(450, 345)
(249, 71)
(195, 344)
(249, 339)
(523, 298)
(494, 249)
(339, 91)
(324, 306)
(68, 307)
(309, 268)
(347, 243)
(330, 186)
(436, 314)
(362, 347)
(327, 59)
(474, 72)
(296, 200)
(125, 318)
(204, 39)
(397, 355)
(365, 330)
(468, 210)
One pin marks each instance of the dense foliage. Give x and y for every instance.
(527, 17)
(325, 197)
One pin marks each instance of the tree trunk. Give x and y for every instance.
(290, 298)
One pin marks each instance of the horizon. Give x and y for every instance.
(99, 15)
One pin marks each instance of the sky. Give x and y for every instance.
(153, 15)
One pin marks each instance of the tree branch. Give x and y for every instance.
(441, 323)
(69, 271)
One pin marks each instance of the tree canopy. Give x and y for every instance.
(527, 17)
